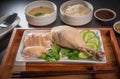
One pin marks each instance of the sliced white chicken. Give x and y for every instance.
(37, 43)
(38, 39)
(33, 51)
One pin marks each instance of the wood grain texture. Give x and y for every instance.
(111, 48)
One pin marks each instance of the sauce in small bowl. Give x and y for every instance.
(105, 14)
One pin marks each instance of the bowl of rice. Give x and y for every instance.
(76, 13)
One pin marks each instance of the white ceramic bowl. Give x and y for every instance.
(41, 20)
(76, 20)
(114, 26)
(105, 9)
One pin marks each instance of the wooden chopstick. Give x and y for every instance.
(31, 74)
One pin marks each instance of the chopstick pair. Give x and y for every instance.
(32, 74)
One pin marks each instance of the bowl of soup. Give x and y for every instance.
(41, 13)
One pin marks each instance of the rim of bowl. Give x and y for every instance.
(61, 11)
(54, 5)
(115, 27)
(107, 10)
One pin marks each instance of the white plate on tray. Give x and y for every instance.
(19, 58)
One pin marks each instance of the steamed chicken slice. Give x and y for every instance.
(67, 36)
(32, 39)
(37, 43)
(33, 51)
(38, 39)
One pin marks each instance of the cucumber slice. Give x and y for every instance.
(84, 55)
(95, 40)
(83, 32)
(92, 45)
(89, 35)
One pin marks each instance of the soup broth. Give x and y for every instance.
(40, 11)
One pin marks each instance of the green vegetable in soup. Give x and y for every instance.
(39, 14)
(41, 11)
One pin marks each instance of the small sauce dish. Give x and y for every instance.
(116, 27)
(105, 14)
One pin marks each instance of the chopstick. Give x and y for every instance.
(31, 74)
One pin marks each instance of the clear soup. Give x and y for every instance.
(41, 11)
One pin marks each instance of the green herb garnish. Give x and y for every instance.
(57, 52)
(52, 54)
(38, 14)
(74, 54)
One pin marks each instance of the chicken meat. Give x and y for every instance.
(37, 43)
(70, 37)
(33, 51)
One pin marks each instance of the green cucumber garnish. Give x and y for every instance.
(88, 35)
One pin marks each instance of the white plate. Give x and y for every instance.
(19, 58)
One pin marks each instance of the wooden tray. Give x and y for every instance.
(110, 70)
